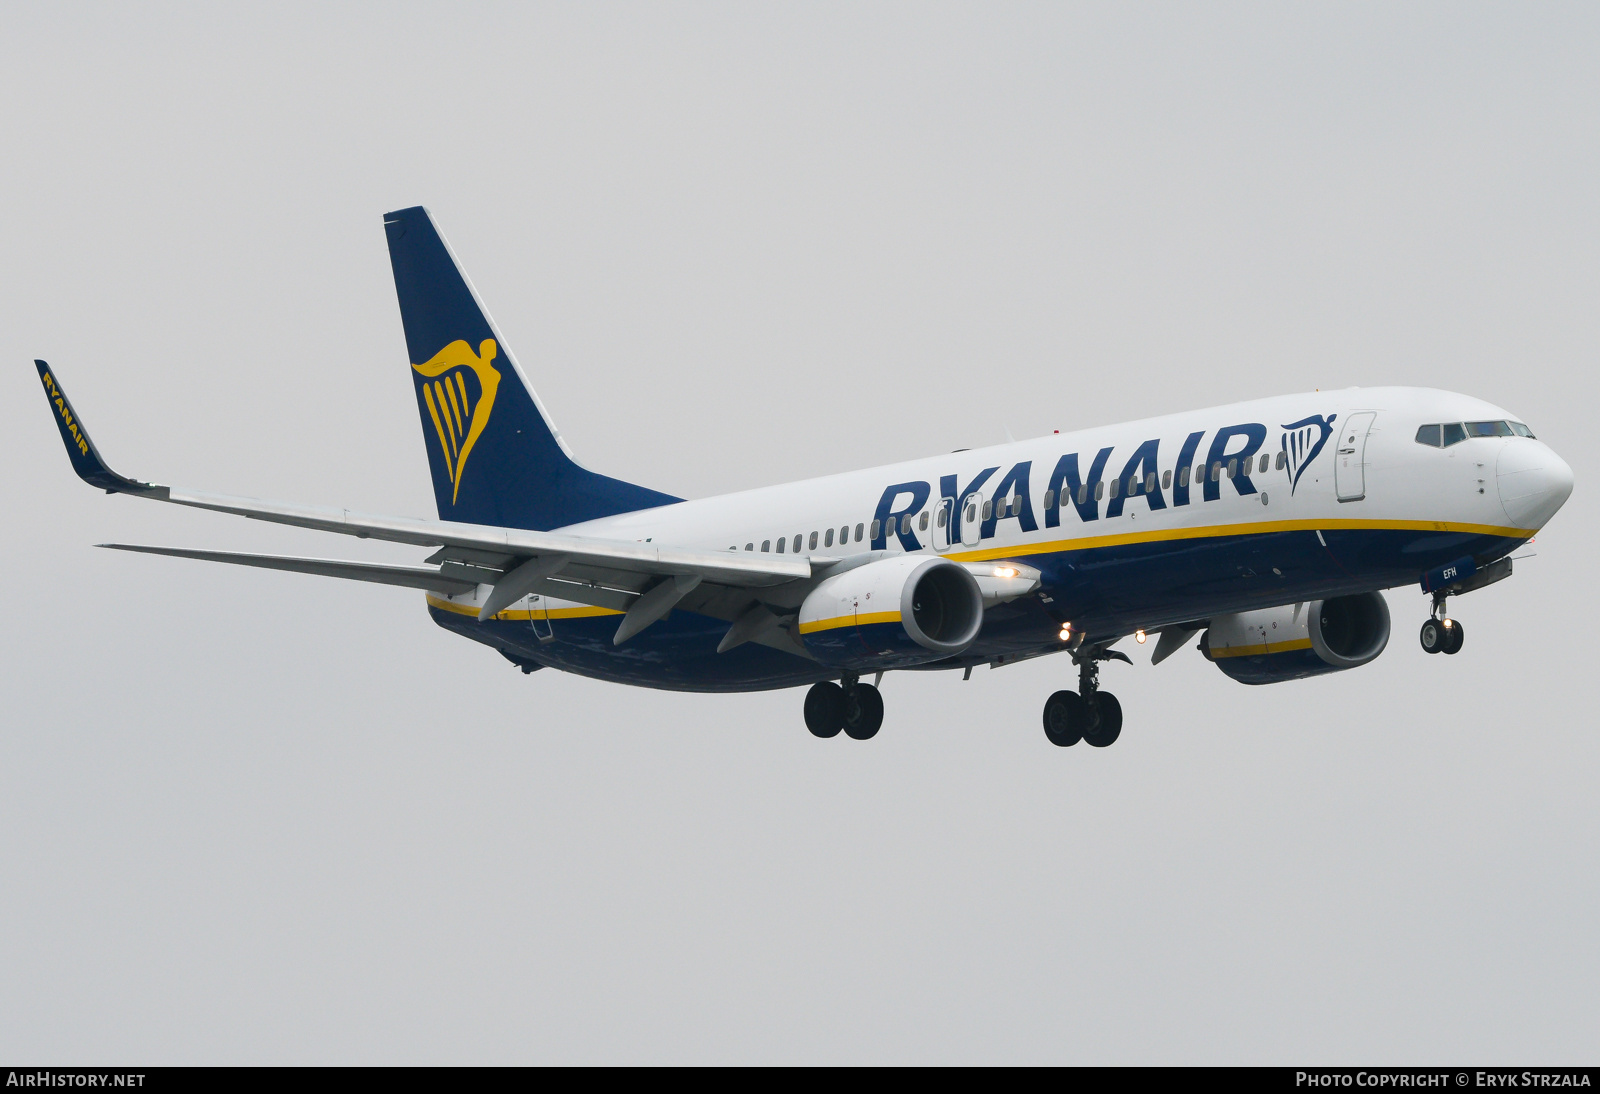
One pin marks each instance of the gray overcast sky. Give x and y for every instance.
(253, 817)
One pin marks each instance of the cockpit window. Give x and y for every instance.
(1443, 436)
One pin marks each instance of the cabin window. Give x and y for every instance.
(812, 543)
(876, 525)
(1452, 433)
(827, 540)
(1266, 461)
(781, 543)
(1183, 475)
(1233, 469)
(1166, 480)
(1522, 431)
(1083, 494)
(844, 534)
(858, 533)
(796, 544)
(988, 510)
(943, 518)
(1216, 470)
(922, 521)
(1100, 490)
(766, 546)
(749, 546)
(1283, 458)
(972, 512)
(1049, 499)
(1428, 435)
(1116, 484)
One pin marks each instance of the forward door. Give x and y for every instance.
(1349, 466)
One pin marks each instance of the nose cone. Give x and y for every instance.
(1534, 482)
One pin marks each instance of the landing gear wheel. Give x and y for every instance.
(1454, 636)
(1110, 727)
(1432, 637)
(825, 709)
(1063, 719)
(863, 711)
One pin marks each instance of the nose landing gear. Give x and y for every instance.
(1441, 634)
(1089, 714)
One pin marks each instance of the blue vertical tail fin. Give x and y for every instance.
(495, 457)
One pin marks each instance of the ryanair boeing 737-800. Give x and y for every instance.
(1268, 528)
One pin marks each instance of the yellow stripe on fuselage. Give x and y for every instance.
(1086, 543)
(1265, 647)
(582, 611)
(1210, 531)
(838, 621)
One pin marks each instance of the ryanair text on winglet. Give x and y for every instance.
(66, 413)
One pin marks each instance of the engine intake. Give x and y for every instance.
(892, 613)
(1294, 641)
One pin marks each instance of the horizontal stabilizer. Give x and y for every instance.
(414, 577)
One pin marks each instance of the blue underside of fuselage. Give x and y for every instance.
(1101, 591)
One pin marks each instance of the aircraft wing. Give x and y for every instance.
(608, 573)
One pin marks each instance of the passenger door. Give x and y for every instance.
(1349, 462)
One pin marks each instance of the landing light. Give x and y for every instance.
(1005, 571)
(1138, 636)
(1066, 632)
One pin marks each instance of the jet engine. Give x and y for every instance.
(1299, 640)
(892, 613)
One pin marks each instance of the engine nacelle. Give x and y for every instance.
(1299, 640)
(892, 613)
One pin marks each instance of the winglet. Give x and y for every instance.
(85, 457)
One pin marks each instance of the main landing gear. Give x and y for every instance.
(1441, 634)
(854, 707)
(1088, 714)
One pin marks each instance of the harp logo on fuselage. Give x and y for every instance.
(1300, 443)
(458, 387)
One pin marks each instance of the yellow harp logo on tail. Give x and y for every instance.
(459, 414)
